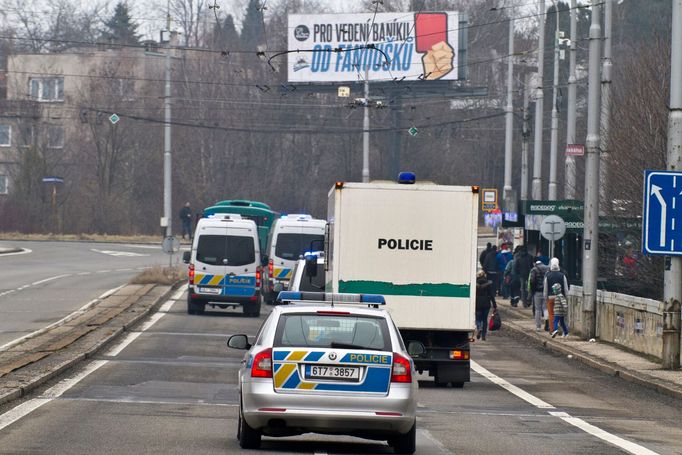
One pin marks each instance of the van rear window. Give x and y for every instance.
(292, 246)
(231, 250)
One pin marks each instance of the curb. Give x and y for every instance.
(604, 367)
(11, 394)
(10, 250)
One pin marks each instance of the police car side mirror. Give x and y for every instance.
(416, 348)
(186, 257)
(311, 267)
(264, 260)
(239, 341)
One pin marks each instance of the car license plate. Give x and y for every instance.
(210, 290)
(333, 372)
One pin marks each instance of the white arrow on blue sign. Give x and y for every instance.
(662, 219)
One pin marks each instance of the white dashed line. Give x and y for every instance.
(597, 432)
(50, 279)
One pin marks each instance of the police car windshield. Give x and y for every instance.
(292, 246)
(237, 250)
(332, 331)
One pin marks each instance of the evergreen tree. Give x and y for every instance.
(253, 34)
(226, 36)
(120, 28)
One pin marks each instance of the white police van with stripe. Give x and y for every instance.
(290, 238)
(327, 363)
(224, 265)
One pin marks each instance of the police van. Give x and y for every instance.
(224, 265)
(290, 238)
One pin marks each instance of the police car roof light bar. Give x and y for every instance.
(334, 299)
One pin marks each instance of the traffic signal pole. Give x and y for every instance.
(672, 277)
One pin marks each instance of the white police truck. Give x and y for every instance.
(414, 243)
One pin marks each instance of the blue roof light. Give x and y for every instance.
(373, 298)
(407, 178)
(288, 295)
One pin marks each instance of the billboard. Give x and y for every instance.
(331, 47)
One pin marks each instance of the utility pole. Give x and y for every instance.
(591, 229)
(507, 192)
(672, 277)
(605, 109)
(525, 135)
(569, 177)
(167, 188)
(365, 131)
(554, 137)
(539, 106)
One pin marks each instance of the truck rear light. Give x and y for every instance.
(190, 273)
(271, 267)
(262, 364)
(258, 275)
(459, 355)
(402, 369)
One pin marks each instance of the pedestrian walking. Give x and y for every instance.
(554, 276)
(503, 258)
(536, 282)
(560, 311)
(186, 219)
(523, 262)
(484, 300)
(490, 267)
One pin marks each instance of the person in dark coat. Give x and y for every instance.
(484, 300)
(186, 219)
(523, 262)
(491, 268)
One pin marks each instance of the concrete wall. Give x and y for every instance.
(632, 322)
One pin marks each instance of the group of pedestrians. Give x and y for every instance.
(522, 279)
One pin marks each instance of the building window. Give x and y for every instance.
(25, 135)
(3, 184)
(5, 136)
(47, 88)
(55, 137)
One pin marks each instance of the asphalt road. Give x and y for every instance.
(170, 388)
(54, 279)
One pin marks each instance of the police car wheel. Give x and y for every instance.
(249, 438)
(405, 443)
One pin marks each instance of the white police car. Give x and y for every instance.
(327, 363)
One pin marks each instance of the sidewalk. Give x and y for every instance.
(602, 356)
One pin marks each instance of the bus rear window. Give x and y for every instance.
(230, 250)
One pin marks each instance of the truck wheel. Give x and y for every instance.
(249, 438)
(405, 443)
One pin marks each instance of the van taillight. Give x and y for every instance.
(402, 369)
(191, 274)
(262, 364)
(270, 268)
(258, 273)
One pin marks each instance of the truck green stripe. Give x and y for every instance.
(416, 289)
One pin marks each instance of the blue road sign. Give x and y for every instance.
(662, 220)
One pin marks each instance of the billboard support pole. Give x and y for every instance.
(365, 131)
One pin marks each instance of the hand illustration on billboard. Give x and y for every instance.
(431, 33)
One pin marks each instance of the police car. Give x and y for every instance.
(327, 363)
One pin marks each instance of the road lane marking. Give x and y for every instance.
(62, 386)
(62, 321)
(23, 251)
(49, 279)
(525, 396)
(588, 428)
(426, 434)
(606, 436)
(118, 253)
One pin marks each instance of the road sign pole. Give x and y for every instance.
(672, 278)
(591, 229)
